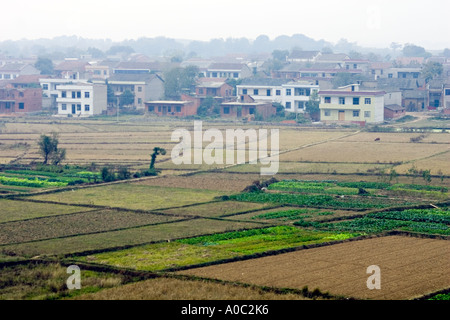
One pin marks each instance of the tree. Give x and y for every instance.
(280, 55)
(48, 148)
(208, 107)
(180, 80)
(411, 50)
(96, 53)
(344, 79)
(126, 98)
(156, 151)
(44, 65)
(110, 96)
(432, 70)
(312, 106)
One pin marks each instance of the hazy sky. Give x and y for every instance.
(369, 23)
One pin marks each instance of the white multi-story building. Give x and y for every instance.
(293, 95)
(81, 99)
(297, 94)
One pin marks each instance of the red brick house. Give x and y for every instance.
(248, 110)
(171, 108)
(24, 100)
(213, 88)
(394, 111)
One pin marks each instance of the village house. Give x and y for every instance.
(296, 94)
(169, 108)
(81, 99)
(262, 89)
(394, 111)
(101, 70)
(208, 87)
(350, 105)
(302, 56)
(446, 95)
(10, 71)
(228, 71)
(293, 95)
(247, 110)
(145, 87)
(20, 99)
(71, 69)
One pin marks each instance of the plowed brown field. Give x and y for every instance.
(410, 267)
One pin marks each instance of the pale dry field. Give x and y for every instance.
(410, 268)
(373, 152)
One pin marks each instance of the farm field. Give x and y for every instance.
(338, 194)
(410, 267)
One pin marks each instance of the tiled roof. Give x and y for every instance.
(71, 65)
(226, 66)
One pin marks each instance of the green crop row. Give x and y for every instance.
(376, 225)
(313, 200)
(32, 183)
(418, 215)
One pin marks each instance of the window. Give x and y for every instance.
(86, 94)
(288, 92)
(200, 91)
(21, 94)
(214, 74)
(355, 66)
(139, 101)
(63, 94)
(300, 92)
(74, 94)
(255, 92)
(327, 99)
(169, 109)
(78, 107)
(21, 105)
(64, 107)
(45, 86)
(7, 76)
(139, 89)
(327, 113)
(447, 92)
(87, 107)
(159, 108)
(235, 75)
(301, 104)
(415, 75)
(178, 109)
(251, 111)
(269, 92)
(341, 100)
(278, 93)
(78, 94)
(151, 108)
(390, 75)
(368, 101)
(355, 101)
(226, 110)
(244, 91)
(356, 114)
(288, 105)
(366, 114)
